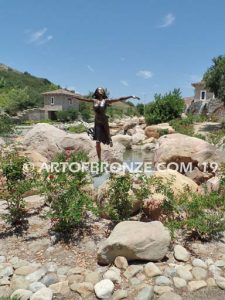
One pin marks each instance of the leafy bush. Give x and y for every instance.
(69, 203)
(77, 129)
(164, 108)
(216, 137)
(120, 202)
(183, 126)
(6, 125)
(67, 115)
(16, 182)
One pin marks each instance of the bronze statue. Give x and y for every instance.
(101, 133)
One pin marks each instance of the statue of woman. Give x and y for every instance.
(101, 133)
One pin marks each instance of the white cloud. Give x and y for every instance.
(39, 37)
(124, 82)
(90, 68)
(167, 20)
(146, 74)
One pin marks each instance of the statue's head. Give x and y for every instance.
(100, 93)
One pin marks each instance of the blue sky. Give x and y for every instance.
(132, 47)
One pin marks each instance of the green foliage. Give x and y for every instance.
(77, 129)
(215, 77)
(183, 126)
(216, 137)
(19, 91)
(6, 125)
(120, 202)
(69, 203)
(86, 111)
(140, 108)
(67, 115)
(164, 108)
(16, 183)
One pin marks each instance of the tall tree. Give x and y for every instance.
(214, 77)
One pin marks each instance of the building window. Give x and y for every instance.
(203, 95)
(52, 101)
(70, 101)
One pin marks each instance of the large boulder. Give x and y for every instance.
(48, 140)
(45, 139)
(177, 182)
(182, 149)
(135, 241)
(125, 140)
(156, 131)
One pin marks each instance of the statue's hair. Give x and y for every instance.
(95, 95)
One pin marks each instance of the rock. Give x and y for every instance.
(92, 277)
(36, 275)
(132, 270)
(25, 270)
(181, 254)
(220, 281)
(65, 270)
(156, 131)
(152, 270)
(184, 149)
(199, 273)
(21, 294)
(6, 270)
(17, 262)
(104, 289)
(196, 285)
(49, 279)
(159, 290)
(146, 293)
(216, 271)
(77, 278)
(125, 140)
(170, 272)
(153, 206)
(199, 263)
(209, 262)
(179, 283)
(184, 273)
(138, 137)
(198, 176)
(34, 202)
(60, 287)
(148, 147)
(19, 282)
(177, 182)
(170, 296)
(4, 281)
(163, 280)
(220, 263)
(84, 288)
(45, 139)
(120, 294)
(35, 286)
(5, 292)
(113, 276)
(51, 267)
(213, 184)
(121, 262)
(2, 259)
(135, 240)
(34, 157)
(42, 294)
(211, 282)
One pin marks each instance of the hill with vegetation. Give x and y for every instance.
(21, 90)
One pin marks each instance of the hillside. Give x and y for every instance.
(21, 90)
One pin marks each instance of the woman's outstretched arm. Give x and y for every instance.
(83, 99)
(123, 99)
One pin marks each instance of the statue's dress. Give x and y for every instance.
(101, 128)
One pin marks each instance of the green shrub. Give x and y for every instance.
(69, 203)
(119, 202)
(164, 108)
(67, 115)
(6, 125)
(77, 129)
(183, 126)
(17, 183)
